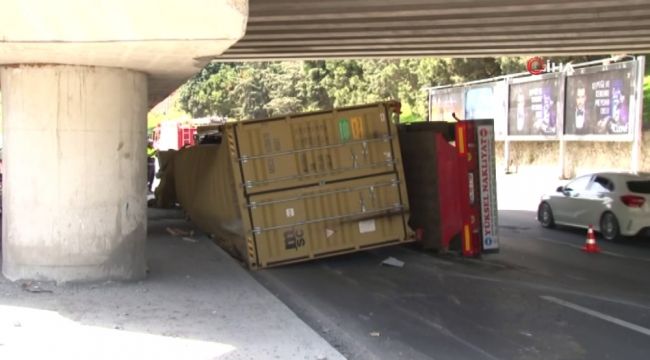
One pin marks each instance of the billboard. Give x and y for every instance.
(600, 101)
(488, 101)
(479, 102)
(444, 102)
(534, 106)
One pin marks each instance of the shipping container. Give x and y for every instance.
(299, 187)
(307, 149)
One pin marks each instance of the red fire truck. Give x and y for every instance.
(173, 135)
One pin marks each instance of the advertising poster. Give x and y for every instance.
(599, 103)
(488, 102)
(444, 102)
(533, 107)
(479, 102)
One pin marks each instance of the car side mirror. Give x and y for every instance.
(560, 189)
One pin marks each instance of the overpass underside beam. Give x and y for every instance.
(321, 29)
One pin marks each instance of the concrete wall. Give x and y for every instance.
(580, 157)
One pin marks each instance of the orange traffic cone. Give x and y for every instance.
(591, 246)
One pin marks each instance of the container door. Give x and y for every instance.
(304, 223)
(312, 149)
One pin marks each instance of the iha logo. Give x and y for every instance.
(537, 66)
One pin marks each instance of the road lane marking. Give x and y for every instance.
(445, 331)
(540, 287)
(597, 314)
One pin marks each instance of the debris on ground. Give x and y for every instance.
(179, 232)
(189, 239)
(375, 334)
(391, 261)
(453, 299)
(33, 287)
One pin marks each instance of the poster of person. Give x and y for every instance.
(444, 102)
(533, 107)
(488, 102)
(599, 103)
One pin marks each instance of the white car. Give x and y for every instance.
(615, 204)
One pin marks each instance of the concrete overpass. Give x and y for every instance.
(318, 29)
(78, 77)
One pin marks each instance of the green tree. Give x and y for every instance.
(250, 93)
(257, 90)
(210, 91)
(285, 85)
(314, 91)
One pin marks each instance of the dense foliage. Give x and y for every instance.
(257, 90)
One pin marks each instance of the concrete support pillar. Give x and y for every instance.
(74, 201)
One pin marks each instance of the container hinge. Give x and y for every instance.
(257, 230)
(249, 184)
(252, 205)
(243, 159)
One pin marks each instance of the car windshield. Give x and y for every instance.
(640, 186)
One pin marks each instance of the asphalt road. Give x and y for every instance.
(539, 298)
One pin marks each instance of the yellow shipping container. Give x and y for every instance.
(306, 149)
(299, 187)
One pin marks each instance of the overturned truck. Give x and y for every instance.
(307, 186)
(299, 187)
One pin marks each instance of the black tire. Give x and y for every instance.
(545, 215)
(609, 227)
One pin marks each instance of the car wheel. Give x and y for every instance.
(609, 227)
(545, 215)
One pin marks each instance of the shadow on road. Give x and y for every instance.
(521, 221)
